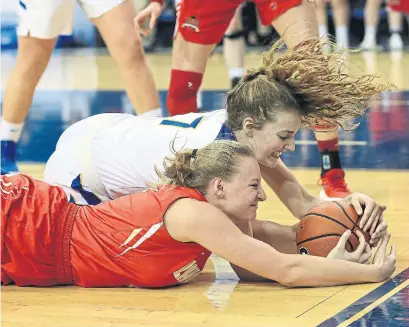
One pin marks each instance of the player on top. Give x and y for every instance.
(201, 26)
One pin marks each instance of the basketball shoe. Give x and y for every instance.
(8, 157)
(333, 184)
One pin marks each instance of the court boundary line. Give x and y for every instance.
(367, 300)
(375, 304)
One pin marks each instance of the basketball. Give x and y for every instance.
(320, 229)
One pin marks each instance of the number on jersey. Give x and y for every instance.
(193, 124)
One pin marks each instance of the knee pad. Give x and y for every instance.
(183, 89)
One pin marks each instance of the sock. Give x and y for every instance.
(199, 99)
(235, 75)
(182, 92)
(341, 35)
(152, 113)
(329, 155)
(236, 72)
(10, 131)
(395, 28)
(370, 34)
(323, 30)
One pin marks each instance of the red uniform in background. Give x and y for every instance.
(205, 22)
(48, 241)
(399, 5)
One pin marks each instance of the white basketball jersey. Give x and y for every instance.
(124, 152)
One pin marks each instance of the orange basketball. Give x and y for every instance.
(320, 229)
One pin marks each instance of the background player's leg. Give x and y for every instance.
(371, 24)
(341, 20)
(395, 29)
(33, 55)
(297, 23)
(200, 26)
(332, 174)
(188, 65)
(125, 46)
(323, 22)
(234, 47)
(322, 17)
(294, 25)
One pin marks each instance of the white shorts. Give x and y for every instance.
(75, 172)
(46, 19)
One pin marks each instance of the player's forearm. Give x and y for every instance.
(317, 271)
(291, 193)
(280, 237)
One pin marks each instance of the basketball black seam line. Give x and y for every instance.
(322, 236)
(332, 219)
(346, 214)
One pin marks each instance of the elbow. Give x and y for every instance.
(289, 273)
(309, 202)
(288, 281)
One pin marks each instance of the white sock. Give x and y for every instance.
(10, 131)
(341, 35)
(395, 27)
(323, 30)
(236, 72)
(152, 113)
(199, 99)
(370, 34)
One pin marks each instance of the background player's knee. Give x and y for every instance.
(128, 51)
(183, 89)
(33, 56)
(235, 35)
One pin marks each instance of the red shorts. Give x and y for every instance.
(205, 22)
(35, 218)
(399, 5)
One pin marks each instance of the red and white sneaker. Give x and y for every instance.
(333, 185)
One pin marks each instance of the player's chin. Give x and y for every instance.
(252, 213)
(271, 161)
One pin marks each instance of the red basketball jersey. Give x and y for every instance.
(48, 241)
(124, 242)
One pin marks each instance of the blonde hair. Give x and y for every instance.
(196, 168)
(315, 84)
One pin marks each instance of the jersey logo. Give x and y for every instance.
(9, 190)
(151, 231)
(326, 162)
(192, 23)
(187, 272)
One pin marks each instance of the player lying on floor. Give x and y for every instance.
(109, 155)
(207, 202)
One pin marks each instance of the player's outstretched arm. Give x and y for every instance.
(193, 221)
(288, 189)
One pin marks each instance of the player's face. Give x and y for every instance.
(276, 137)
(243, 192)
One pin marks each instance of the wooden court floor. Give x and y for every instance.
(216, 297)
